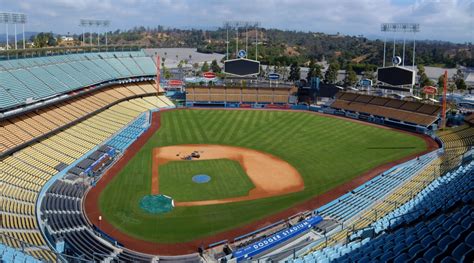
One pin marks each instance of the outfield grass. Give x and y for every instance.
(326, 152)
(228, 179)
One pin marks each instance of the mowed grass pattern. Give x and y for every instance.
(326, 151)
(228, 179)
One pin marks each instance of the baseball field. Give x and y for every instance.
(324, 152)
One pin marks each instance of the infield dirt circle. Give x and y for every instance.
(270, 175)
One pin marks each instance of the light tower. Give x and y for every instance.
(400, 28)
(13, 19)
(245, 25)
(90, 23)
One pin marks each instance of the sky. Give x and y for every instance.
(449, 20)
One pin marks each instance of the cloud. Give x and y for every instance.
(450, 20)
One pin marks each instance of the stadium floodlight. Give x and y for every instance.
(94, 23)
(83, 24)
(400, 28)
(106, 24)
(246, 25)
(14, 19)
(5, 19)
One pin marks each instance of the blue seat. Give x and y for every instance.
(432, 253)
(466, 210)
(466, 222)
(437, 233)
(410, 231)
(457, 216)
(421, 233)
(444, 243)
(376, 253)
(385, 257)
(400, 239)
(440, 220)
(449, 260)
(365, 259)
(410, 241)
(421, 260)
(448, 223)
(382, 241)
(468, 198)
(433, 224)
(398, 248)
(401, 258)
(414, 250)
(470, 240)
(459, 252)
(456, 231)
(427, 241)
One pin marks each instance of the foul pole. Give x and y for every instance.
(157, 73)
(445, 84)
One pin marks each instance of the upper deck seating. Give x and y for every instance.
(39, 78)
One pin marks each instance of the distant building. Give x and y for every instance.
(66, 41)
(67, 38)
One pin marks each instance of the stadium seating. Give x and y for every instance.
(438, 223)
(63, 213)
(9, 254)
(26, 171)
(417, 202)
(40, 78)
(221, 94)
(20, 130)
(360, 198)
(129, 134)
(407, 111)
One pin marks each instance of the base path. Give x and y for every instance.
(270, 175)
(92, 210)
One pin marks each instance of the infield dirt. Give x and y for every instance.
(270, 175)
